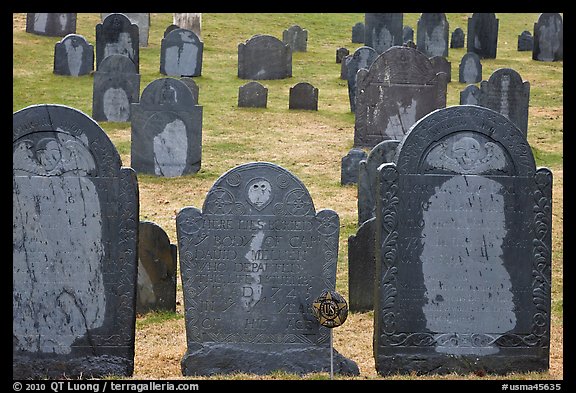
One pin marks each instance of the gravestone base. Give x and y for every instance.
(50, 366)
(231, 358)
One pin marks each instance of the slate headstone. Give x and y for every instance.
(264, 57)
(470, 68)
(383, 30)
(117, 35)
(432, 34)
(252, 95)
(303, 95)
(525, 41)
(349, 166)
(116, 87)
(483, 35)
(340, 54)
(457, 39)
(189, 21)
(548, 38)
(441, 64)
(464, 258)
(194, 88)
(362, 57)
(296, 37)
(407, 34)
(73, 56)
(252, 262)
(470, 95)
(169, 29)
(74, 255)
(142, 20)
(52, 24)
(166, 130)
(181, 53)
(358, 33)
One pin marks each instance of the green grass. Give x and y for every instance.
(156, 317)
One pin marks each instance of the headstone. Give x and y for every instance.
(264, 57)
(252, 263)
(400, 87)
(189, 21)
(181, 53)
(470, 95)
(548, 38)
(116, 87)
(483, 35)
(343, 68)
(142, 20)
(117, 35)
(74, 255)
(457, 39)
(73, 56)
(362, 57)
(169, 29)
(52, 24)
(506, 93)
(464, 259)
(383, 30)
(303, 96)
(407, 34)
(296, 37)
(252, 95)
(166, 130)
(441, 64)
(157, 258)
(358, 33)
(432, 34)
(194, 88)
(349, 166)
(340, 54)
(525, 41)
(470, 68)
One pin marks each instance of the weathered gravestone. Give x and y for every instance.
(483, 35)
(464, 259)
(358, 33)
(169, 29)
(166, 130)
(470, 68)
(470, 95)
(74, 255)
(441, 64)
(194, 88)
(142, 20)
(407, 34)
(340, 54)
(252, 263)
(116, 35)
(400, 87)
(525, 41)
(181, 53)
(349, 166)
(303, 96)
(116, 87)
(506, 93)
(432, 34)
(190, 21)
(157, 258)
(548, 38)
(383, 30)
(73, 56)
(457, 38)
(296, 37)
(264, 57)
(362, 57)
(52, 24)
(252, 95)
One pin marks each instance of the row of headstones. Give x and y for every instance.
(462, 256)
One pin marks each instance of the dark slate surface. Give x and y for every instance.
(181, 53)
(349, 166)
(157, 259)
(264, 57)
(296, 37)
(166, 130)
(253, 95)
(470, 68)
(383, 30)
(548, 38)
(52, 24)
(457, 38)
(252, 263)
(358, 33)
(407, 34)
(361, 268)
(363, 57)
(482, 37)
(400, 87)
(116, 87)
(464, 263)
(303, 96)
(470, 95)
(117, 35)
(441, 64)
(525, 41)
(194, 88)
(142, 20)
(432, 34)
(75, 225)
(340, 54)
(73, 56)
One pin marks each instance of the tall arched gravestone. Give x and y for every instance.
(117, 35)
(181, 53)
(252, 263)
(264, 57)
(482, 37)
(432, 34)
(464, 263)
(75, 225)
(383, 30)
(548, 38)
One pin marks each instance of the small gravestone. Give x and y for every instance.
(525, 41)
(116, 87)
(340, 54)
(470, 68)
(181, 53)
(470, 95)
(349, 166)
(252, 95)
(74, 248)
(358, 33)
(296, 37)
(264, 57)
(362, 57)
(52, 24)
(169, 29)
(432, 34)
(506, 93)
(548, 38)
(142, 20)
(303, 96)
(483, 35)
(463, 272)
(399, 88)
(441, 64)
(457, 38)
(166, 130)
(73, 56)
(343, 68)
(194, 88)
(116, 35)
(157, 258)
(253, 261)
(383, 30)
(407, 34)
